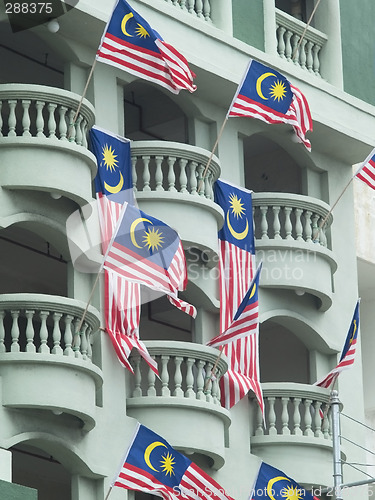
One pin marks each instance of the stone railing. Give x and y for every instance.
(43, 112)
(45, 324)
(295, 410)
(184, 369)
(174, 167)
(305, 53)
(198, 8)
(291, 217)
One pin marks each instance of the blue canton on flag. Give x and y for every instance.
(147, 251)
(129, 43)
(114, 174)
(153, 466)
(267, 87)
(273, 484)
(238, 216)
(267, 95)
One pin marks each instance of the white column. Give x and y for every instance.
(270, 40)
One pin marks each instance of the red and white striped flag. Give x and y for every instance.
(129, 43)
(267, 95)
(366, 171)
(237, 265)
(122, 303)
(347, 355)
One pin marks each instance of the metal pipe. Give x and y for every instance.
(337, 468)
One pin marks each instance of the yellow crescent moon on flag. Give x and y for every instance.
(259, 84)
(238, 236)
(132, 229)
(271, 482)
(117, 188)
(148, 451)
(125, 19)
(253, 291)
(354, 330)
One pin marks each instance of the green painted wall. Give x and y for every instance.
(248, 22)
(358, 48)
(10, 491)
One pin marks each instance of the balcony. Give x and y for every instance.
(293, 248)
(41, 366)
(183, 404)
(306, 53)
(37, 139)
(167, 178)
(294, 430)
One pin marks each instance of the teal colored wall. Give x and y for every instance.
(358, 48)
(248, 23)
(10, 491)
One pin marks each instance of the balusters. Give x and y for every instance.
(15, 331)
(200, 380)
(164, 376)
(297, 431)
(288, 223)
(171, 176)
(146, 173)
(285, 416)
(272, 416)
(199, 8)
(189, 378)
(178, 377)
(84, 340)
(51, 121)
(317, 419)
(276, 222)
(12, 120)
(39, 121)
(151, 390)
(193, 177)
(159, 173)
(76, 343)
(78, 129)
(183, 176)
(2, 332)
(68, 336)
(288, 45)
(30, 346)
(1, 119)
(43, 333)
(307, 418)
(134, 173)
(62, 127)
(259, 430)
(281, 44)
(299, 228)
(190, 6)
(137, 376)
(207, 10)
(26, 118)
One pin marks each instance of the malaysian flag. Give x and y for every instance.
(147, 251)
(246, 319)
(348, 352)
(267, 95)
(366, 171)
(236, 265)
(153, 466)
(114, 186)
(129, 43)
(273, 483)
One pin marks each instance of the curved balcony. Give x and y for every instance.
(184, 403)
(167, 178)
(299, 43)
(292, 246)
(294, 430)
(44, 364)
(46, 152)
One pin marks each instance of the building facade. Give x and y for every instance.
(68, 408)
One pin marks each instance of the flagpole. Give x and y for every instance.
(213, 370)
(324, 221)
(304, 31)
(109, 492)
(71, 125)
(212, 153)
